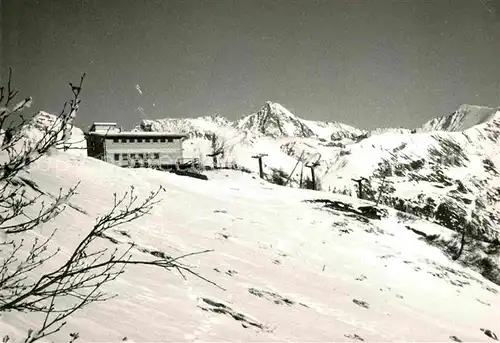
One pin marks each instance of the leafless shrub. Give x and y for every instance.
(218, 149)
(386, 187)
(278, 177)
(29, 282)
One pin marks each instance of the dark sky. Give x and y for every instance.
(365, 63)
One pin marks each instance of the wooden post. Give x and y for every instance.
(360, 186)
(214, 157)
(215, 151)
(301, 174)
(380, 190)
(358, 181)
(313, 166)
(298, 161)
(261, 168)
(313, 178)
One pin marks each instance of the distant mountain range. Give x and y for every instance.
(436, 170)
(440, 171)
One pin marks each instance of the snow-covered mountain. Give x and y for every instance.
(273, 130)
(274, 120)
(435, 170)
(43, 123)
(201, 127)
(464, 118)
(293, 264)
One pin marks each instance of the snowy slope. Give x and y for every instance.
(435, 169)
(449, 167)
(292, 270)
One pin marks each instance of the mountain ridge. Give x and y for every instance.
(271, 120)
(465, 139)
(465, 117)
(443, 166)
(274, 120)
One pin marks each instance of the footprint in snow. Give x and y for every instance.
(361, 303)
(490, 334)
(361, 278)
(483, 302)
(220, 211)
(228, 272)
(222, 235)
(355, 337)
(273, 297)
(214, 306)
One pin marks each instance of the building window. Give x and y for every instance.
(139, 140)
(170, 140)
(115, 140)
(124, 157)
(162, 140)
(146, 140)
(124, 140)
(141, 156)
(132, 156)
(131, 140)
(117, 157)
(155, 140)
(157, 156)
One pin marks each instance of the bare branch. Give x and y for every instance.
(80, 278)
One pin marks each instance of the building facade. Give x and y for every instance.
(134, 149)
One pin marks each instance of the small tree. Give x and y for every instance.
(218, 148)
(466, 228)
(278, 177)
(383, 172)
(28, 283)
(308, 183)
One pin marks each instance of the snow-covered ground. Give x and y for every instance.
(291, 270)
(440, 165)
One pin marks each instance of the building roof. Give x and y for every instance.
(109, 125)
(137, 134)
(103, 123)
(101, 126)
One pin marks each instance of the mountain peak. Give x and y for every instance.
(271, 107)
(275, 120)
(465, 117)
